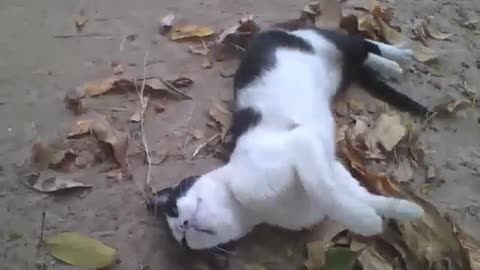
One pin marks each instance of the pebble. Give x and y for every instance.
(450, 165)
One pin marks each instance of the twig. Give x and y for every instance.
(143, 103)
(83, 35)
(42, 229)
(175, 90)
(201, 146)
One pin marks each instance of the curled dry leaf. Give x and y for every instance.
(387, 132)
(453, 106)
(92, 89)
(471, 246)
(81, 127)
(421, 52)
(222, 117)
(81, 251)
(50, 184)
(166, 24)
(371, 260)
(73, 99)
(404, 172)
(181, 82)
(104, 132)
(136, 116)
(315, 255)
(184, 31)
(326, 13)
(198, 134)
(80, 21)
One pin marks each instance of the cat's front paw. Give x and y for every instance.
(368, 226)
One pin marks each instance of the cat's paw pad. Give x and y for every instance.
(369, 226)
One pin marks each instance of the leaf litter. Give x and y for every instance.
(52, 183)
(80, 250)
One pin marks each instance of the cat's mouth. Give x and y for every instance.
(207, 231)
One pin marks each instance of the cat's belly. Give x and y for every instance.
(292, 210)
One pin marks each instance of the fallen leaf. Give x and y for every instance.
(430, 173)
(80, 128)
(166, 24)
(404, 172)
(371, 260)
(387, 132)
(14, 236)
(340, 133)
(326, 13)
(421, 52)
(433, 33)
(92, 89)
(73, 98)
(84, 159)
(315, 255)
(49, 184)
(157, 157)
(183, 31)
(471, 246)
(81, 251)
(181, 82)
(155, 84)
(158, 108)
(338, 258)
(80, 21)
(136, 116)
(459, 105)
(223, 117)
(198, 49)
(104, 132)
(198, 134)
(117, 69)
(367, 24)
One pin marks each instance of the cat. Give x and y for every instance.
(283, 170)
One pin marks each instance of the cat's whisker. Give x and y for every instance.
(224, 250)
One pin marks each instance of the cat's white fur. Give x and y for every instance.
(283, 171)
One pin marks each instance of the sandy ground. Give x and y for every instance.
(36, 69)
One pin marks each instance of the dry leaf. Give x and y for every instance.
(326, 13)
(136, 116)
(181, 82)
(104, 132)
(155, 84)
(421, 53)
(340, 133)
(198, 134)
(73, 98)
(183, 31)
(459, 105)
(404, 172)
(371, 260)
(430, 173)
(82, 251)
(315, 255)
(81, 127)
(433, 33)
(471, 245)
(80, 21)
(50, 184)
(117, 69)
(92, 89)
(387, 132)
(166, 24)
(84, 159)
(223, 117)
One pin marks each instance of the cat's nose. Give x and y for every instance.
(184, 225)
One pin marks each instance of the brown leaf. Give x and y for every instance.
(223, 117)
(181, 82)
(198, 134)
(184, 31)
(136, 116)
(470, 245)
(81, 127)
(52, 183)
(404, 172)
(84, 159)
(459, 105)
(73, 98)
(92, 89)
(315, 255)
(166, 24)
(104, 132)
(326, 13)
(421, 53)
(387, 132)
(371, 260)
(157, 157)
(117, 69)
(435, 34)
(80, 21)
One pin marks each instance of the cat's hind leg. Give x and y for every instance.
(385, 206)
(391, 52)
(314, 161)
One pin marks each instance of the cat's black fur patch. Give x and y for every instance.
(166, 199)
(242, 120)
(260, 55)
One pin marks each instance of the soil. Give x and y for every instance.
(38, 67)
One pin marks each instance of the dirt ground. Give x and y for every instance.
(36, 70)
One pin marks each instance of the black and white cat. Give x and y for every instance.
(283, 170)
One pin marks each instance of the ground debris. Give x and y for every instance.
(52, 183)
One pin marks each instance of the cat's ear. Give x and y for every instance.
(159, 200)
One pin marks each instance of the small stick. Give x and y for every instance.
(83, 35)
(201, 146)
(175, 90)
(42, 228)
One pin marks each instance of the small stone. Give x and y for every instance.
(156, 39)
(450, 165)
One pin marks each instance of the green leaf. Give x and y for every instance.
(340, 259)
(79, 250)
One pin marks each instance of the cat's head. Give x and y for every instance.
(201, 212)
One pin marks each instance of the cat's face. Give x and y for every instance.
(201, 213)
